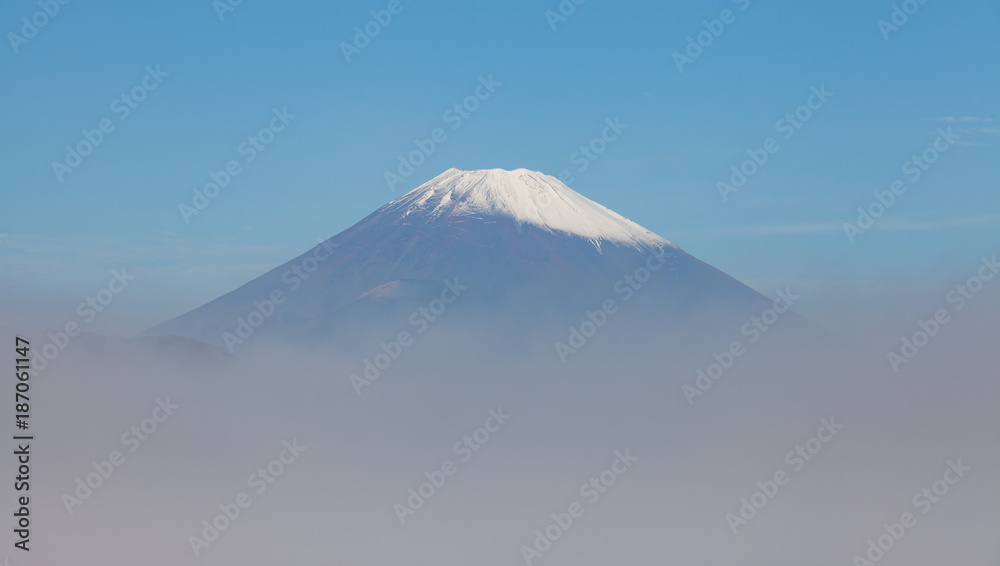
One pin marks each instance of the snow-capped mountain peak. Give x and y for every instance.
(527, 197)
(519, 241)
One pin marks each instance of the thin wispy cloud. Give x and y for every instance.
(915, 226)
(828, 227)
(964, 119)
(165, 248)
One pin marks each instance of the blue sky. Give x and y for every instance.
(325, 170)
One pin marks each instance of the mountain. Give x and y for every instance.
(519, 246)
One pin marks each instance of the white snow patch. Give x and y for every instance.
(527, 197)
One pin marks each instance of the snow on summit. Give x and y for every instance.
(527, 197)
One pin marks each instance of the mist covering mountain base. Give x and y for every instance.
(622, 391)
